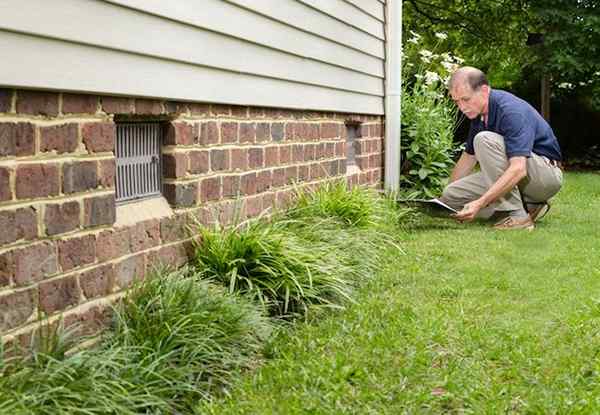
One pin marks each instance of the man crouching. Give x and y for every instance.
(517, 151)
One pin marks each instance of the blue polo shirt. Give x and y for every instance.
(523, 128)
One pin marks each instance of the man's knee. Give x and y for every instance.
(487, 139)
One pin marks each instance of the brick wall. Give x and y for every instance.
(60, 251)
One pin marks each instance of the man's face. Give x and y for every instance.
(471, 103)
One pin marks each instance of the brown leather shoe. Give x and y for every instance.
(537, 211)
(513, 223)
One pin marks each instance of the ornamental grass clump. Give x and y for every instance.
(267, 262)
(336, 200)
(175, 341)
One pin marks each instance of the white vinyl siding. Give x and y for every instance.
(305, 54)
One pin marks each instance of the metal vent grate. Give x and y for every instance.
(138, 160)
(352, 132)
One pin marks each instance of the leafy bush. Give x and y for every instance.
(428, 121)
(175, 341)
(272, 265)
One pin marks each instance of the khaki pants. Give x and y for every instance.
(543, 179)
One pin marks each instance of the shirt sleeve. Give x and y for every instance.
(519, 135)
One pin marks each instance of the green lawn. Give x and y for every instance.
(467, 320)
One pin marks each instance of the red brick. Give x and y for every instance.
(99, 210)
(290, 134)
(199, 161)
(285, 154)
(263, 132)
(16, 308)
(362, 162)
(99, 136)
(298, 153)
(144, 235)
(263, 181)
(320, 149)
(217, 109)
(248, 184)
(268, 201)
(106, 173)
(310, 152)
(228, 213)
(80, 176)
(181, 194)
(58, 295)
(257, 112)
(129, 270)
(199, 109)
(219, 160)
(7, 268)
(59, 138)
(5, 99)
(277, 131)
(301, 131)
(148, 107)
(304, 173)
(256, 158)
(342, 166)
(239, 111)
(330, 130)
(75, 252)
(314, 132)
(173, 228)
(364, 130)
(333, 168)
(32, 263)
(291, 174)
(179, 133)
(375, 130)
(17, 139)
(175, 107)
(117, 105)
(18, 224)
(210, 189)
(172, 256)
(112, 244)
(231, 186)
(61, 218)
(209, 133)
(90, 321)
(229, 132)
(175, 165)
(247, 132)
(284, 199)
(253, 206)
(37, 103)
(37, 180)
(271, 156)
(79, 104)
(279, 177)
(340, 149)
(239, 159)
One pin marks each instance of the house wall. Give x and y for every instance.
(68, 251)
(325, 55)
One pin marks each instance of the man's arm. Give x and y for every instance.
(516, 171)
(463, 166)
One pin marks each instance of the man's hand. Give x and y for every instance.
(469, 211)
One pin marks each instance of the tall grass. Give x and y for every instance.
(272, 265)
(176, 340)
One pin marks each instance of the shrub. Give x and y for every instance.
(428, 121)
(272, 265)
(175, 341)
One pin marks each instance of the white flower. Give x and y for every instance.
(597, 73)
(449, 66)
(565, 85)
(458, 60)
(441, 36)
(415, 35)
(419, 76)
(431, 77)
(425, 53)
(415, 39)
(582, 84)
